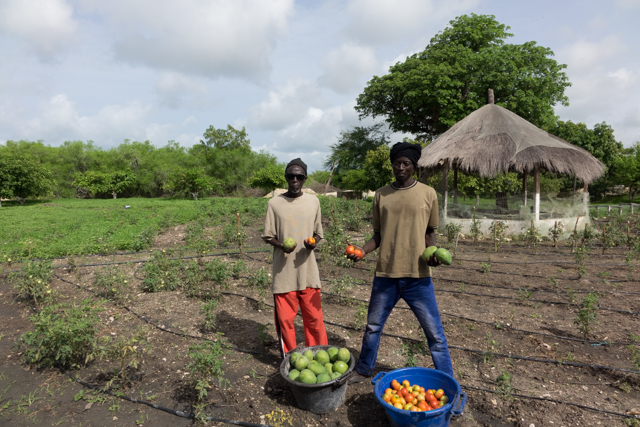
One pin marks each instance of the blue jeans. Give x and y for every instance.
(420, 296)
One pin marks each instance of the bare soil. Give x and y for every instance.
(524, 306)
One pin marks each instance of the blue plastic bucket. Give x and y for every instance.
(429, 379)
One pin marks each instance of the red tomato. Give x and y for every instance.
(350, 250)
(422, 390)
(358, 253)
(415, 409)
(403, 392)
(394, 384)
(424, 406)
(386, 397)
(434, 404)
(438, 394)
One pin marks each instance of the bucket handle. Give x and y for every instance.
(378, 377)
(457, 406)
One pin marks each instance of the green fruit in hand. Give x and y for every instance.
(428, 252)
(293, 358)
(294, 374)
(323, 378)
(328, 367)
(335, 375)
(316, 368)
(333, 353)
(307, 377)
(344, 355)
(309, 355)
(289, 243)
(301, 363)
(322, 357)
(443, 256)
(340, 367)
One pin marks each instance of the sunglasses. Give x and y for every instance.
(291, 176)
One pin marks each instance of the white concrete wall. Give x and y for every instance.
(517, 227)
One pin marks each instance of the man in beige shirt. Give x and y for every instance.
(296, 279)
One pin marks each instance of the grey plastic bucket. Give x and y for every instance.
(317, 398)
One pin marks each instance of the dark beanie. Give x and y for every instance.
(297, 162)
(408, 150)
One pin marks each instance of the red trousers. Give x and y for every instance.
(286, 308)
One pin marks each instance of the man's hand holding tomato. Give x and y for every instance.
(311, 242)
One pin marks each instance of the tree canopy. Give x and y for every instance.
(432, 90)
(22, 177)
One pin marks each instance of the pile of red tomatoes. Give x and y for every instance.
(414, 398)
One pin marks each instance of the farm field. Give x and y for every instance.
(523, 344)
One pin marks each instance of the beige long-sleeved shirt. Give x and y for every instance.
(298, 218)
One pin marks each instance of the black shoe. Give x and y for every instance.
(357, 378)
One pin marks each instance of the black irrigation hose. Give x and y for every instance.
(455, 267)
(538, 300)
(144, 319)
(522, 396)
(534, 289)
(549, 262)
(508, 356)
(502, 326)
(158, 407)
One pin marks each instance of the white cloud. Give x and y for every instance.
(583, 55)
(232, 38)
(47, 26)
(383, 21)
(177, 90)
(285, 105)
(344, 68)
(58, 120)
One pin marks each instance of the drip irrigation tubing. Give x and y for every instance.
(523, 396)
(535, 289)
(444, 313)
(143, 402)
(622, 264)
(537, 300)
(144, 319)
(507, 356)
(158, 407)
(455, 267)
(555, 253)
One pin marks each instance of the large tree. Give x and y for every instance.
(626, 170)
(22, 177)
(432, 90)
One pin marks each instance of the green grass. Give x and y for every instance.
(65, 227)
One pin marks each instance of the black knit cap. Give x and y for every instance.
(297, 162)
(406, 149)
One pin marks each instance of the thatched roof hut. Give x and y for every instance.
(494, 140)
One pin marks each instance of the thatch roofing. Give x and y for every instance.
(493, 140)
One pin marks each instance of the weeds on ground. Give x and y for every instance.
(205, 367)
(207, 309)
(127, 353)
(342, 287)
(161, 273)
(279, 418)
(361, 316)
(555, 232)
(498, 230)
(238, 268)
(485, 267)
(411, 351)
(335, 242)
(259, 279)
(491, 347)
(635, 357)
(64, 333)
(571, 295)
(586, 318)
(110, 283)
(505, 387)
(33, 282)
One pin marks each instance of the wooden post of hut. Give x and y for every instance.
(536, 184)
(445, 185)
(524, 186)
(455, 185)
(585, 199)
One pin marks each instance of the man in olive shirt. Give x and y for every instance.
(296, 279)
(405, 217)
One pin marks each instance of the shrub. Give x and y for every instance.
(161, 273)
(33, 282)
(587, 314)
(64, 333)
(111, 283)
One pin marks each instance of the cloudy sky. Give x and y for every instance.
(289, 71)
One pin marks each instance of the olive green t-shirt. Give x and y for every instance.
(401, 216)
(298, 218)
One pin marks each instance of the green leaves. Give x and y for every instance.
(22, 176)
(432, 90)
